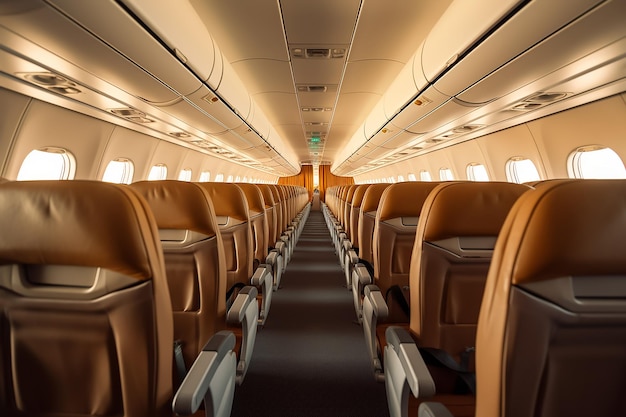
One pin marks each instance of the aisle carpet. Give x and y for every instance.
(310, 358)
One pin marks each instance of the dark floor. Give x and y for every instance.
(310, 358)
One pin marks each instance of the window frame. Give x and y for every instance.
(128, 171)
(68, 168)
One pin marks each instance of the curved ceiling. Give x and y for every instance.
(317, 68)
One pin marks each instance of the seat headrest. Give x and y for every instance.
(79, 223)
(456, 209)
(372, 197)
(179, 205)
(567, 228)
(268, 196)
(404, 199)
(254, 197)
(228, 200)
(357, 198)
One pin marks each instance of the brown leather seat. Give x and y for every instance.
(194, 259)
(84, 302)
(258, 220)
(233, 219)
(551, 335)
(276, 247)
(392, 243)
(454, 242)
(551, 338)
(364, 267)
(351, 249)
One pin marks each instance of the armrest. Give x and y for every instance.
(360, 278)
(245, 312)
(429, 409)
(374, 308)
(349, 262)
(347, 245)
(275, 260)
(417, 375)
(352, 256)
(211, 378)
(363, 275)
(377, 301)
(264, 279)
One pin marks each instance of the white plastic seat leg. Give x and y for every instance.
(211, 379)
(405, 372)
(245, 313)
(374, 309)
(264, 279)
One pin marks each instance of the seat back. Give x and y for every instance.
(454, 243)
(270, 214)
(551, 335)
(84, 303)
(347, 209)
(393, 238)
(233, 218)
(279, 210)
(194, 260)
(367, 220)
(357, 199)
(258, 221)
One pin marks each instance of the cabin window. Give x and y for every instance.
(229, 179)
(185, 175)
(477, 172)
(119, 171)
(47, 164)
(521, 170)
(391, 180)
(425, 175)
(595, 162)
(245, 179)
(237, 178)
(205, 176)
(400, 178)
(158, 172)
(445, 174)
(219, 178)
(412, 177)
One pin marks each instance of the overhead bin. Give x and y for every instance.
(514, 34)
(462, 25)
(599, 27)
(84, 36)
(176, 23)
(375, 121)
(405, 86)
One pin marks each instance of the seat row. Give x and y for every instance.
(454, 267)
(114, 297)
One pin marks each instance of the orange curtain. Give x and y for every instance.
(304, 179)
(329, 180)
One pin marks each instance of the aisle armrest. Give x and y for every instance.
(405, 372)
(374, 309)
(275, 260)
(360, 278)
(211, 379)
(350, 261)
(245, 312)
(263, 278)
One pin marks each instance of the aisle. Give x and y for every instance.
(310, 358)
